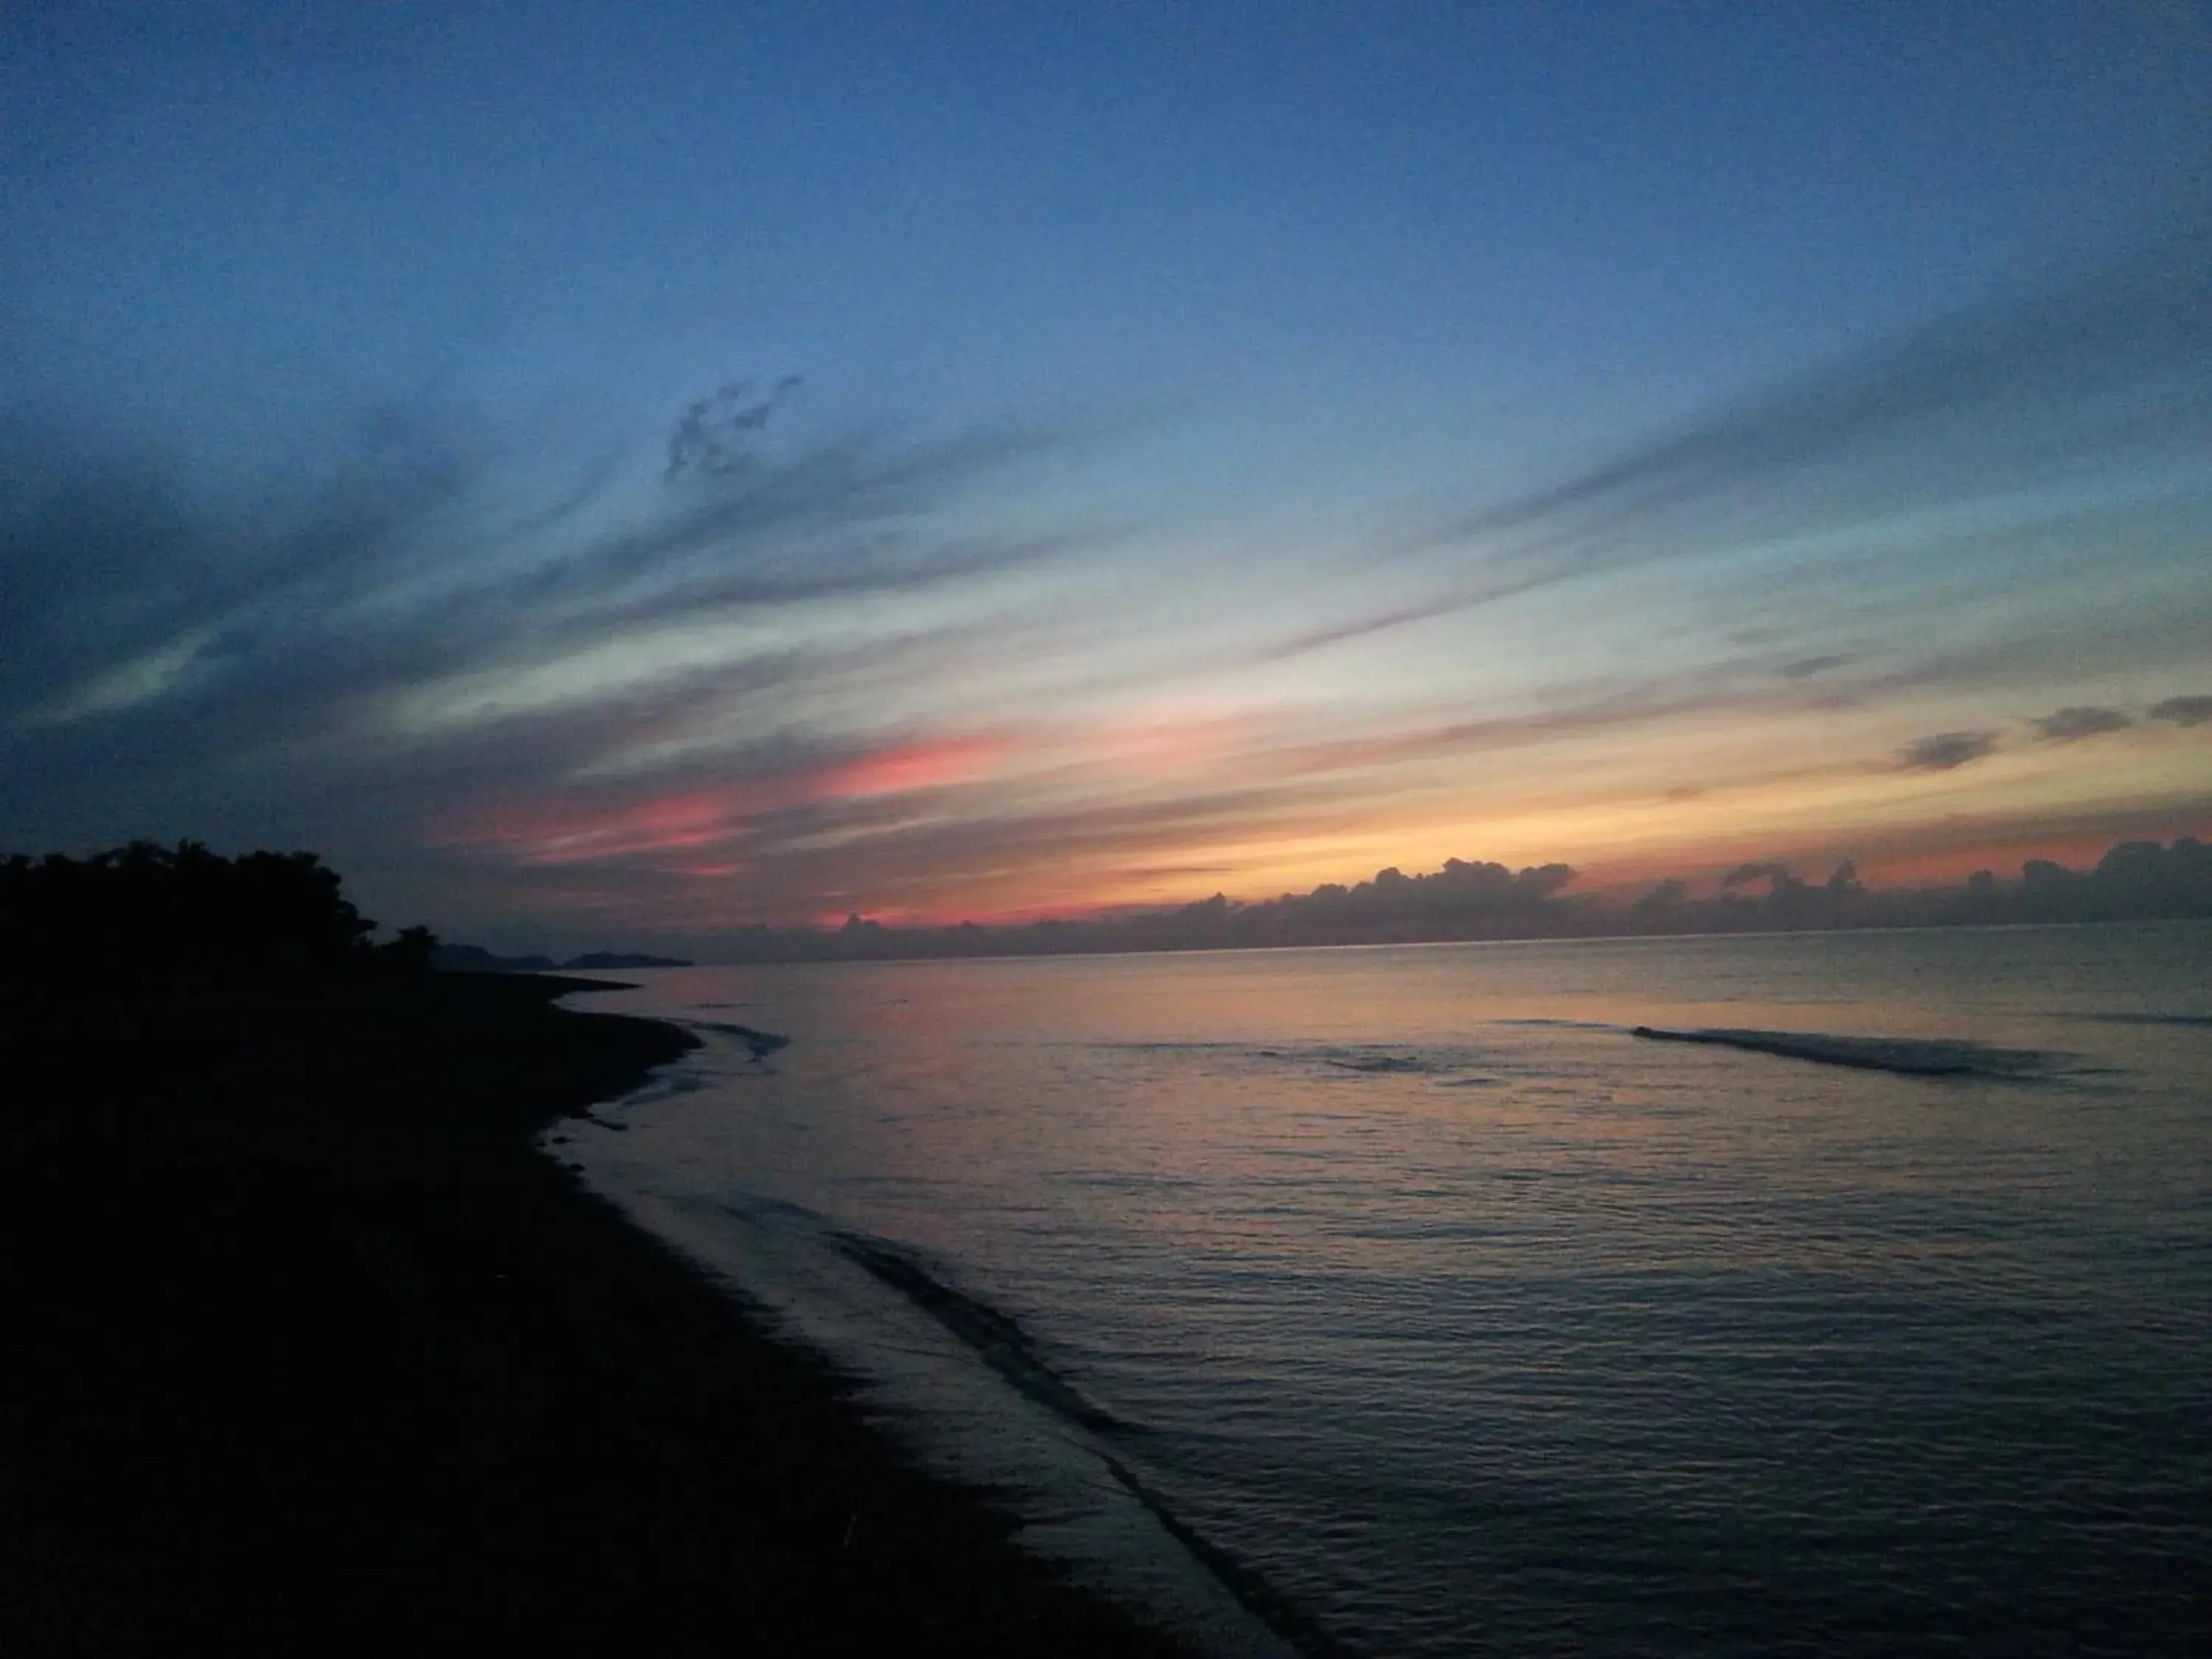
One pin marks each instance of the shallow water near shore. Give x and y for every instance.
(1409, 1301)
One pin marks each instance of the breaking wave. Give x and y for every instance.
(1905, 1056)
(2202, 1021)
(995, 1337)
(1373, 1060)
(761, 1044)
(1358, 1061)
(1001, 1343)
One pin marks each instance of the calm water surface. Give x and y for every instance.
(1402, 1301)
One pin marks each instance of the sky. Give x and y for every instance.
(618, 473)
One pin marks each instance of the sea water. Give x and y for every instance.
(1407, 1301)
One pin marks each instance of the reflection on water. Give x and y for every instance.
(1444, 1316)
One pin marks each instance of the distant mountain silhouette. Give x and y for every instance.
(475, 959)
(604, 959)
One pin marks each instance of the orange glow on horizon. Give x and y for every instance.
(1151, 812)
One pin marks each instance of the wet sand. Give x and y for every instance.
(311, 1352)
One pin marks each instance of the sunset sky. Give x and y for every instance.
(607, 472)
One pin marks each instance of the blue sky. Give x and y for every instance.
(1234, 445)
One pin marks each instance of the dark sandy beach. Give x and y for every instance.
(310, 1351)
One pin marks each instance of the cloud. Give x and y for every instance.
(1946, 752)
(2128, 325)
(2071, 725)
(716, 435)
(1770, 871)
(2183, 711)
(116, 581)
(1610, 704)
(849, 515)
(2087, 377)
(167, 661)
(1480, 900)
(1299, 645)
(1807, 667)
(379, 572)
(575, 824)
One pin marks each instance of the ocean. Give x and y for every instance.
(1412, 1301)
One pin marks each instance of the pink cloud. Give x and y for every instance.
(573, 830)
(936, 763)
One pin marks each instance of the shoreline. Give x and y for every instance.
(319, 1351)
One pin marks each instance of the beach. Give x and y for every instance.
(312, 1352)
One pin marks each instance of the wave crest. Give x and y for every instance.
(1905, 1056)
(994, 1335)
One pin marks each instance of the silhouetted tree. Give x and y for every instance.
(144, 916)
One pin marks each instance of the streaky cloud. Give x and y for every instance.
(2071, 725)
(2183, 711)
(1946, 752)
(1805, 668)
(2138, 326)
(244, 667)
(2095, 374)
(106, 569)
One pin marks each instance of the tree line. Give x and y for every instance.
(146, 917)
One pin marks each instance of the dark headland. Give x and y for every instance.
(308, 1350)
